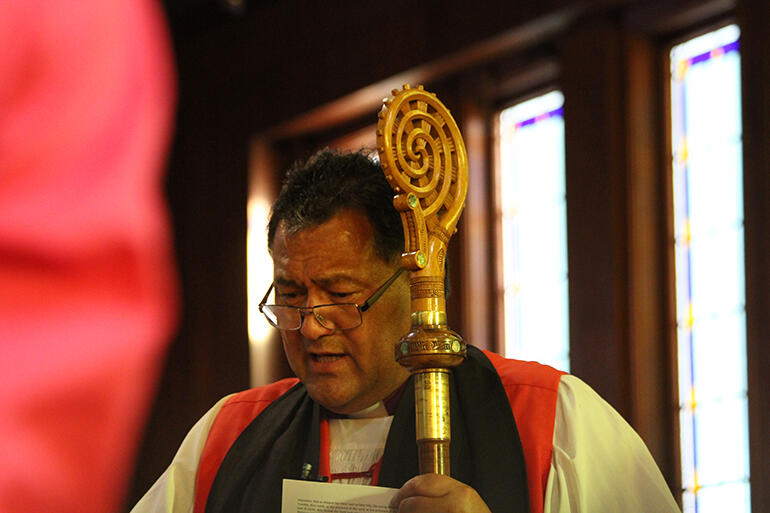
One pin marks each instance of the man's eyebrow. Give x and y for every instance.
(335, 279)
(284, 282)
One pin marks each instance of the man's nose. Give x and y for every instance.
(310, 328)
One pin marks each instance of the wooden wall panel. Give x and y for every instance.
(754, 18)
(595, 158)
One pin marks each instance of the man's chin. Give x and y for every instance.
(335, 401)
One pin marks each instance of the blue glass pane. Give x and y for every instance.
(683, 292)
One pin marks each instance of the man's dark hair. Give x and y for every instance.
(329, 182)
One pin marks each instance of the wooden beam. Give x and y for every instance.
(754, 19)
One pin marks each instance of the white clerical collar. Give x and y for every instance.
(376, 410)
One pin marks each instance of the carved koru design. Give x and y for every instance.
(423, 157)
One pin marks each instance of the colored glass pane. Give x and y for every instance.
(708, 222)
(534, 230)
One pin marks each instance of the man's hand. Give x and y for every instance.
(434, 493)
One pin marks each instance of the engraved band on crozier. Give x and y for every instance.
(427, 287)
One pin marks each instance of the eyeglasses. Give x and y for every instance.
(336, 316)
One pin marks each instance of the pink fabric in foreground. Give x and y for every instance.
(87, 288)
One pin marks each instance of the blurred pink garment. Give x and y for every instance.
(87, 288)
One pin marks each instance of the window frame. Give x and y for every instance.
(497, 210)
(685, 34)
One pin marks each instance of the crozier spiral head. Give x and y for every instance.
(423, 157)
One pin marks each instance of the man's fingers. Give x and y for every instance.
(424, 485)
(419, 504)
(433, 492)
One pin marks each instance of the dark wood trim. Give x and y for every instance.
(366, 100)
(669, 335)
(208, 357)
(496, 226)
(532, 78)
(674, 16)
(393, 49)
(476, 244)
(595, 156)
(754, 18)
(654, 411)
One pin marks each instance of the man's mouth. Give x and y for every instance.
(326, 358)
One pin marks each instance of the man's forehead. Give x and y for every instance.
(283, 278)
(348, 230)
(322, 273)
(339, 249)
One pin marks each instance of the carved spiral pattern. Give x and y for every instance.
(422, 152)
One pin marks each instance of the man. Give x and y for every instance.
(525, 437)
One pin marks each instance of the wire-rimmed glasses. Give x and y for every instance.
(335, 316)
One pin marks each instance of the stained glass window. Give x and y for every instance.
(711, 318)
(534, 230)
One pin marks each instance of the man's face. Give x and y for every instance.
(345, 371)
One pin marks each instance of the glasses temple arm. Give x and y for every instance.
(374, 297)
(264, 299)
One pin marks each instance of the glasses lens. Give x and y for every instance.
(282, 317)
(338, 317)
